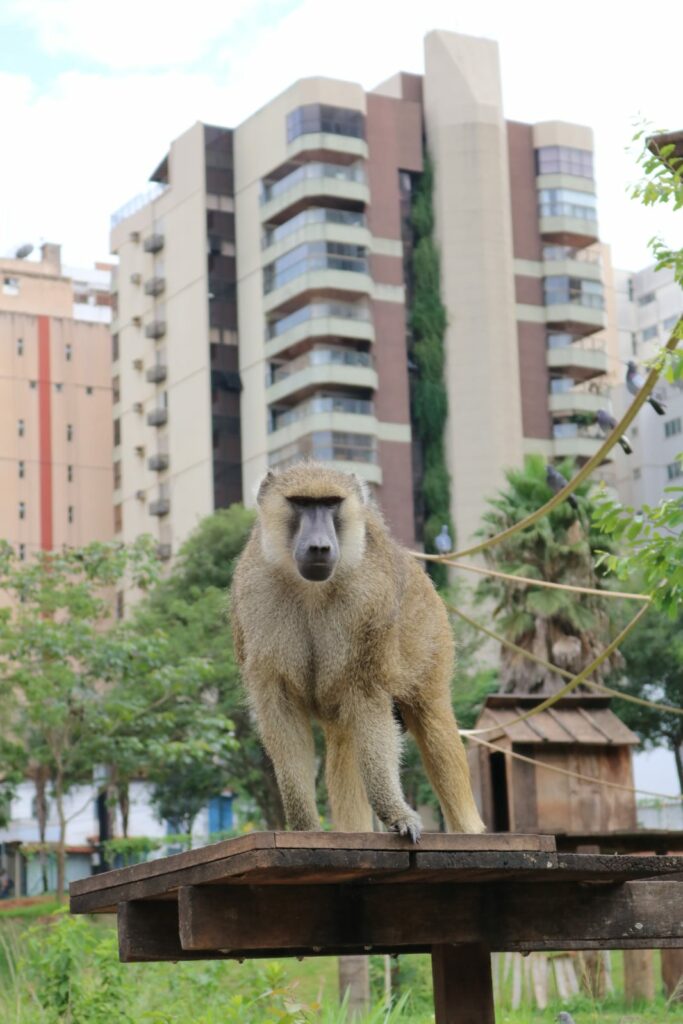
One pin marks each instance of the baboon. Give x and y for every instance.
(334, 620)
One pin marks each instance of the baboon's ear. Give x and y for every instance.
(263, 486)
(363, 489)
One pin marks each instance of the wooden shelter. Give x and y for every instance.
(457, 897)
(579, 734)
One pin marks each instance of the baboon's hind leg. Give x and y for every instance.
(436, 733)
(351, 811)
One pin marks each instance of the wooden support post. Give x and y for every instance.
(639, 976)
(463, 986)
(672, 973)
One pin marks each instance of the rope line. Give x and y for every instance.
(574, 775)
(556, 668)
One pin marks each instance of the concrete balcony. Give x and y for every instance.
(157, 417)
(323, 144)
(571, 402)
(153, 243)
(303, 193)
(155, 286)
(318, 327)
(578, 362)
(157, 374)
(158, 462)
(310, 378)
(345, 422)
(322, 231)
(160, 507)
(592, 271)
(344, 284)
(155, 329)
(575, 318)
(581, 447)
(568, 230)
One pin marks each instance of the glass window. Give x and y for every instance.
(566, 202)
(68, 352)
(20, 346)
(559, 288)
(70, 513)
(319, 117)
(650, 332)
(22, 469)
(564, 160)
(69, 432)
(314, 256)
(671, 322)
(306, 172)
(10, 286)
(89, 390)
(645, 300)
(117, 432)
(22, 510)
(118, 518)
(69, 474)
(117, 475)
(674, 470)
(114, 347)
(21, 428)
(672, 427)
(22, 552)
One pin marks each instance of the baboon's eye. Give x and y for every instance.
(302, 501)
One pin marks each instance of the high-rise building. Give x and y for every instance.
(55, 404)
(288, 275)
(650, 303)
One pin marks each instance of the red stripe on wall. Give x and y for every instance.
(45, 432)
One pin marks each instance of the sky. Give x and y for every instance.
(90, 97)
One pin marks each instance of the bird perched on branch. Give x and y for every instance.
(635, 381)
(556, 482)
(443, 542)
(607, 423)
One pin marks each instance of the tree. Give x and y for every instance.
(559, 548)
(53, 646)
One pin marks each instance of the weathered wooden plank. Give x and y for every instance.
(148, 931)
(453, 841)
(526, 916)
(463, 986)
(654, 841)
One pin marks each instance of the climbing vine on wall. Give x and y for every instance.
(429, 396)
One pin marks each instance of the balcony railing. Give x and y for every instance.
(155, 329)
(154, 243)
(322, 404)
(551, 253)
(569, 430)
(311, 263)
(137, 203)
(316, 311)
(316, 215)
(589, 343)
(567, 385)
(322, 357)
(328, 446)
(157, 373)
(310, 172)
(157, 417)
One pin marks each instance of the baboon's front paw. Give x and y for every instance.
(408, 824)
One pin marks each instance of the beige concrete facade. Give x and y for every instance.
(55, 411)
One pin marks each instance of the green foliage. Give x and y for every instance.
(131, 849)
(429, 397)
(558, 548)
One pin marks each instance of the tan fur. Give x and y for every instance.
(342, 651)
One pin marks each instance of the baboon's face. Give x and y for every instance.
(315, 547)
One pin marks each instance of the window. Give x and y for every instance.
(672, 427)
(119, 605)
(636, 474)
(68, 352)
(21, 428)
(117, 475)
(114, 347)
(69, 432)
(650, 332)
(70, 514)
(670, 322)
(22, 469)
(22, 510)
(634, 343)
(10, 286)
(20, 346)
(564, 160)
(318, 117)
(59, 388)
(117, 432)
(118, 518)
(644, 300)
(33, 384)
(22, 552)
(314, 256)
(69, 474)
(559, 288)
(89, 390)
(116, 389)
(566, 202)
(674, 470)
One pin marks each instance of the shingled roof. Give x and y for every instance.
(577, 720)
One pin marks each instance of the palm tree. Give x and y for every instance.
(569, 630)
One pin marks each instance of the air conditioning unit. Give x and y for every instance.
(135, 236)
(139, 449)
(137, 320)
(138, 407)
(136, 278)
(138, 364)
(140, 495)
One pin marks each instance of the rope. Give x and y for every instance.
(446, 560)
(612, 439)
(560, 671)
(574, 775)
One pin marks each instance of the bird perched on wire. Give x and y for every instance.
(635, 381)
(565, 1018)
(607, 423)
(443, 542)
(556, 482)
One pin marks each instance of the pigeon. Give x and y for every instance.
(635, 381)
(443, 542)
(565, 1018)
(556, 482)
(607, 423)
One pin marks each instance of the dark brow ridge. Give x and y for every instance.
(331, 499)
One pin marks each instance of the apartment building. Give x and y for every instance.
(649, 303)
(55, 404)
(264, 317)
